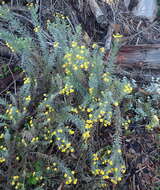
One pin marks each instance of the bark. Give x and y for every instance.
(96, 10)
(139, 56)
(141, 62)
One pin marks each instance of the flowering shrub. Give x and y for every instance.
(50, 130)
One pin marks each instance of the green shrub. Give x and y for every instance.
(54, 127)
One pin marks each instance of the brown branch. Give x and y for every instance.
(100, 17)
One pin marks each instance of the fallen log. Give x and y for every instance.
(96, 10)
(138, 61)
(140, 56)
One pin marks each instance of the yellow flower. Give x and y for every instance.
(83, 47)
(28, 98)
(127, 88)
(119, 178)
(75, 181)
(74, 44)
(2, 160)
(105, 177)
(56, 44)
(13, 183)
(117, 35)
(119, 150)
(72, 150)
(27, 80)
(90, 115)
(102, 50)
(16, 177)
(110, 162)
(89, 109)
(59, 130)
(90, 90)
(86, 135)
(37, 29)
(114, 181)
(17, 158)
(115, 103)
(2, 136)
(94, 46)
(71, 132)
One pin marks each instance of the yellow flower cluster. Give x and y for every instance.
(126, 124)
(55, 44)
(67, 90)
(15, 182)
(26, 80)
(149, 127)
(76, 59)
(117, 35)
(48, 136)
(90, 91)
(49, 109)
(52, 168)
(3, 2)
(107, 168)
(89, 124)
(2, 160)
(28, 98)
(62, 143)
(37, 178)
(35, 139)
(74, 44)
(116, 103)
(70, 179)
(103, 185)
(37, 29)
(11, 111)
(85, 65)
(123, 169)
(3, 148)
(94, 46)
(59, 15)
(17, 158)
(106, 77)
(75, 110)
(102, 50)
(14, 179)
(86, 135)
(127, 88)
(29, 5)
(102, 117)
(2, 136)
(31, 123)
(95, 157)
(10, 47)
(105, 174)
(24, 142)
(71, 132)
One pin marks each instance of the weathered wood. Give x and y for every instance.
(96, 10)
(146, 56)
(139, 62)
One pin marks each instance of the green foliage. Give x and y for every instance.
(49, 129)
